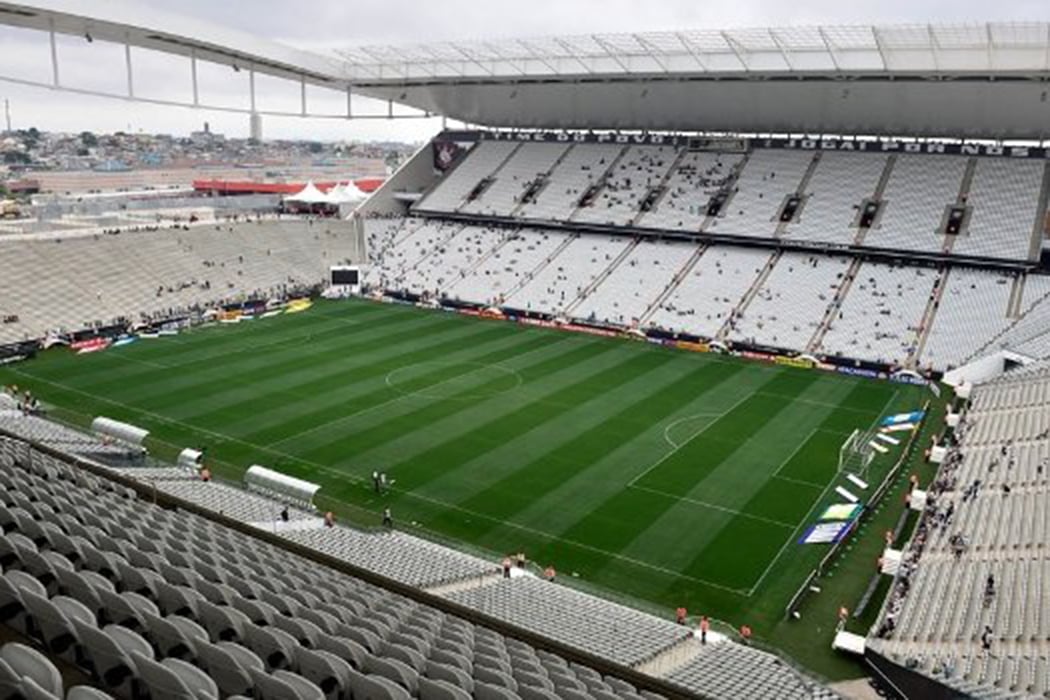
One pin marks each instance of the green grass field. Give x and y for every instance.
(669, 477)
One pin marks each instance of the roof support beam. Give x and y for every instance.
(881, 48)
(572, 55)
(610, 51)
(534, 56)
(127, 65)
(783, 51)
(251, 87)
(654, 52)
(736, 49)
(193, 76)
(54, 56)
(470, 59)
(933, 48)
(827, 45)
(691, 51)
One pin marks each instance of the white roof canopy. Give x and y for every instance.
(991, 47)
(977, 80)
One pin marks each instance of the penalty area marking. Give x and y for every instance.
(678, 421)
(352, 478)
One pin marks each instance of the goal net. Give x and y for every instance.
(856, 452)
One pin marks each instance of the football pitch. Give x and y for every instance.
(673, 477)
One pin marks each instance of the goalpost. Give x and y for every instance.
(856, 452)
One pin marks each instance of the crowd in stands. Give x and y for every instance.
(968, 603)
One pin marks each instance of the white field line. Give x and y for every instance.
(357, 480)
(817, 502)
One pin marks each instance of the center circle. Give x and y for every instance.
(460, 381)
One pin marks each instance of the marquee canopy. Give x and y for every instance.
(986, 80)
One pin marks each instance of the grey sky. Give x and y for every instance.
(329, 23)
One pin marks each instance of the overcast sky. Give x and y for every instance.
(324, 24)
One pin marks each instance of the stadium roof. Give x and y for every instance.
(962, 80)
(837, 50)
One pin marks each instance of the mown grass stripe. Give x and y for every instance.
(352, 438)
(319, 366)
(426, 467)
(309, 395)
(237, 367)
(535, 480)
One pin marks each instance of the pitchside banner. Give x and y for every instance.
(804, 144)
(826, 533)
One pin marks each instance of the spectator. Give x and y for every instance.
(506, 567)
(705, 625)
(986, 638)
(285, 515)
(521, 560)
(680, 615)
(329, 519)
(745, 633)
(388, 518)
(375, 481)
(549, 573)
(205, 473)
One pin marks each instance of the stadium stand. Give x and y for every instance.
(469, 176)
(638, 170)
(145, 271)
(767, 179)
(568, 275)
(629, 291)
(834, 194)
(521, 170)
(967, 606)
(735, 671)
(694, 180)
(410, 249)
(140, 596)
(382, 233)
(582, 167)
(1003, 196)
(448, 262)
(516, 262)
(914, 201)
(596, 626)
(788, 308)
(880, 318)
(973, 308)
(396, 555)
(706, 297)
(1028, 333)
(670, 188)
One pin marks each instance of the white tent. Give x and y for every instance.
(309, 195)
(346, 194)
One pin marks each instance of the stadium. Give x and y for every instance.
(686, 364)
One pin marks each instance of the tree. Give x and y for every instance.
(88, 139)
